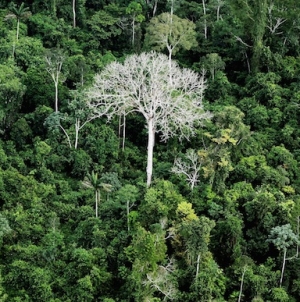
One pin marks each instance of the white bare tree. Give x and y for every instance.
(141, 84)
(190, 166)
(54, 60)
(162, 282)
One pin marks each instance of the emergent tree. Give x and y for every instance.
(142, 84)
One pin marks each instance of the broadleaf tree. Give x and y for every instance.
(134, 11)
(283, 237)
(142, 84)
(167, 31)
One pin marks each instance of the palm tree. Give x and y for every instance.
(18, 13)
(92, 181)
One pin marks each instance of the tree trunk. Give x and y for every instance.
(297, 250)
(96, 203)
(248, 63)
(74, 13)
(169, 46)
(122, 128)
(56, 95)
(17, 37)
(283, 267)
(67, 136)
(198, 266)
(77, 128)
(172, 7)
(54, 8)
(127, 211)
(124, 132)
(133, 31)
(194, 180)
(154, 8)
(18, 29)
(218, 12)
(151, 133)
(259, 28)
(205, 23)
(242, 284)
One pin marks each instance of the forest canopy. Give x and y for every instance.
(149, 150)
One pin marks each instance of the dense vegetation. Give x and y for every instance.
(220, 220)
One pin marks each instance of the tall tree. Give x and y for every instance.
(142, 84)
(283, 237)
(54, 61)
(18, 13)
(79, 116)
(213, 62)
(134, 10)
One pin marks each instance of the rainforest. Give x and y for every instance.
(149, 151)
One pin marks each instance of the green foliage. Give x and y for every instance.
(160, 202)
(4, 226)
(279, 295)
(283, 236)
(50, 31)
(213, 62)
(240, 223)
(171, 32)
(103, 25)
(11, 92)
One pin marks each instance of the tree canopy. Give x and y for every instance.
(203, 96)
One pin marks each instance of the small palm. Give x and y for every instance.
(92, 181)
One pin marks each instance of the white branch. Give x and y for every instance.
(240, 40)
(160, 281)
(273, 27)
(142, 84)
(190, 167)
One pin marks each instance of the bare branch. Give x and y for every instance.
(190, 166)
(142, 84)
(273, 27)
(240, 40)
(161, 281)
